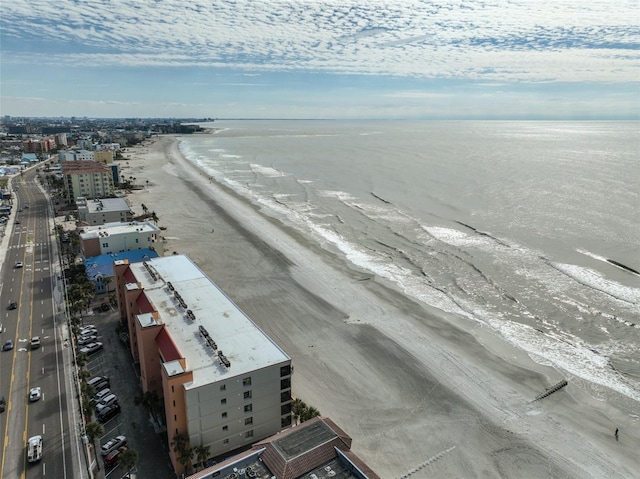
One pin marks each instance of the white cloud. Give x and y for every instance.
(499, 40)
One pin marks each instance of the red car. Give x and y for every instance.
(111, 460)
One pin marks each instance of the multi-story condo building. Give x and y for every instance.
(87, 179)
(76, 155)
(104, 156)
(108, 146)
(224, 382)
(100, 211)
(119, 237)
(61, 139)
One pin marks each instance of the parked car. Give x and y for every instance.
(88, 330)
(113, 444)
(18, 263)
(111, 459)
(3, 404)
(34, 449)
(108, 400)
(99, 388)
(108, 413)
(105, 307)
(91, 348)
(94, 381)
(85, 340)
(8, 345)
(13, 304)
(35, 342)
(35, 394)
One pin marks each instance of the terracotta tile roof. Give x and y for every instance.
(303, 448)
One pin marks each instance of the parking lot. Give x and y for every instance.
(115, 363)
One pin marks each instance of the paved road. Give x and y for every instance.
(35, 287)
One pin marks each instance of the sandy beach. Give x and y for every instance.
(418, 391)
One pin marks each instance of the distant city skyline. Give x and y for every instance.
(409, 59)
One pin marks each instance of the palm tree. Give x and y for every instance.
(297, 409)
(143, 206)
(310, 412)
(202, 453)
(127, 459)
(87, 407)
(150, 400)
(93, 431)
(154, 217)
(184, 453)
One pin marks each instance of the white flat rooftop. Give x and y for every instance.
(107, 204)
(117, 228)
(245, 345)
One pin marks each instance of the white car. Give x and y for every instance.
(34, 449)
(86, 340)
(112, 445)
(19, 264)
(35, 394)
(91, 348)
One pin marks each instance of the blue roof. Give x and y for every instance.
(103, 265)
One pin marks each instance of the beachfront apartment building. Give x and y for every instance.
(76, 155)
(104, 156)
(100, 211)
(224, 382)
(119, 237)
(87, 179)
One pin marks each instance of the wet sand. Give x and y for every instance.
(416, 389)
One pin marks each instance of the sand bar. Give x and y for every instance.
(418, 391)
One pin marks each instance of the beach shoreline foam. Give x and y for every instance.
(413, 387)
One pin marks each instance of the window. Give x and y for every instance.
(248, 433)
(174, 403)
(105, 245)
(224, 414)
(223, 401)
(225, 441)
(285, 421)
(248, 408)
(285, 370)
(285, 383)
(285, 396)
(223, 387)
(248, 421)
(225, 428)
(247, 394)
(173, 389)
(285, 409)
(246, 382)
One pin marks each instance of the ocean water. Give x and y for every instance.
(511, 224)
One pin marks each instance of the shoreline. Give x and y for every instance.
(403, 380)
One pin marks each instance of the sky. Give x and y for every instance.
(347, 59)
